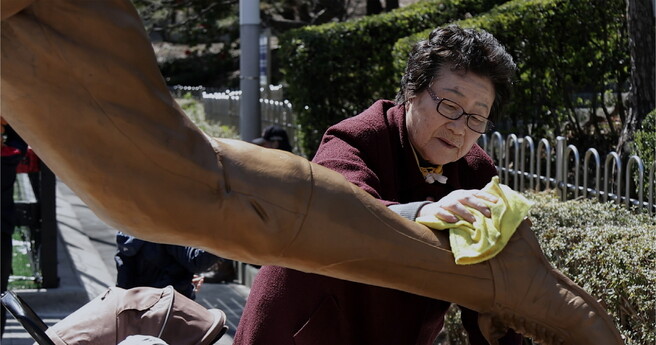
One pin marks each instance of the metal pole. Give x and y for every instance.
(249, 38)
(48, 255)
(561, 143)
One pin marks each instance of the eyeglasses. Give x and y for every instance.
(453, 111)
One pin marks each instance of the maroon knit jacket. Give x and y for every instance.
(285, 306)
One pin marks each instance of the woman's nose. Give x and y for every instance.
(458, 126)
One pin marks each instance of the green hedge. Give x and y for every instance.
(610, 252)
(336, 70)
(606, 249)
(570, 53)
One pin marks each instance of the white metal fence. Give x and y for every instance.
(520, 162)
(223, 107)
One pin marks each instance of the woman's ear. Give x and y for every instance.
(410, 98)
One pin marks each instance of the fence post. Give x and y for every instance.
(561, 142)
(544, 145)
(528, 141)
(641, 174)
(512, 140)
(571, 149)
(496, 138)
(592, 153)
(613, 156)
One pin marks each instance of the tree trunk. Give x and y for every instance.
(642, 95)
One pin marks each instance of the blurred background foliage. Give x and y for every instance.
(581, 62)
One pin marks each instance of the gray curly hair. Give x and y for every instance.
(467, 50)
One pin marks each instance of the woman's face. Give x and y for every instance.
(436, 138)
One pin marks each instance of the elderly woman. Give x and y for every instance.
(419, 157)
(81, 85)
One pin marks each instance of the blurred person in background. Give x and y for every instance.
(13, 149)
(144, 263)
(274, 137)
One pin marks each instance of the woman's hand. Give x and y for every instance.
(452, 206)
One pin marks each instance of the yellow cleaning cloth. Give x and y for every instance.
(486, 237)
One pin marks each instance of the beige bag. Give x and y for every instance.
(118, 313)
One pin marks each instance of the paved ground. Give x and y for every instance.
(86, 268)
